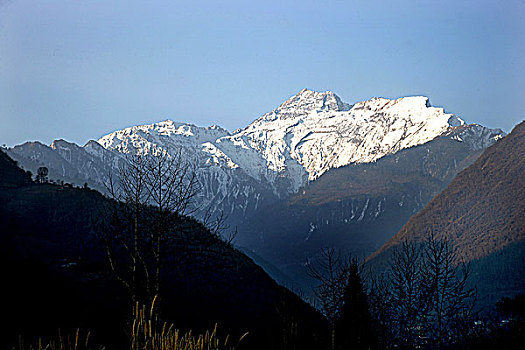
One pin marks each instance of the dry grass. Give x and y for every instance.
(78, 341)
(148, 332)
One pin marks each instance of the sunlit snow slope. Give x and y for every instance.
(305, 136)
(276, 154)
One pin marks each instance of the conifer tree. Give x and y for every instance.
(354, 325)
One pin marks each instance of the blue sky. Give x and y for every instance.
(80, 69)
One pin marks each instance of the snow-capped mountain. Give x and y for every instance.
(223, 185)
(313, 132)
(355, 208)
(279, 152)
(305, 136)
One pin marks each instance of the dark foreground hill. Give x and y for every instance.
(55, 274)
(482, 213)
(355, 208)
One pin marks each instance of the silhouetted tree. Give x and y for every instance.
(512, 307)
(41, 174)
(354, 325)
(409, 296)
(149, 196)
(424, 301)
(450, 301)
(381, 310)
(331, 271)
(289, 325)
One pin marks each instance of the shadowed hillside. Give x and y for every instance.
(482, 213)
(355, 208)
(53, 261)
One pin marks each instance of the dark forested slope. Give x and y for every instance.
(55, 273)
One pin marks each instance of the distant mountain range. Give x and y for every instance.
(482, 214)
(314, 172)
(280, 152)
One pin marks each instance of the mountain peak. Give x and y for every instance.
(307, 101)
(93, 144)
(62, 143)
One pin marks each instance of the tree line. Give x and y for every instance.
(423, 299)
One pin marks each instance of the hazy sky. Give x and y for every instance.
(79, 69)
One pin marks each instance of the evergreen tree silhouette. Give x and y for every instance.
(354, 326)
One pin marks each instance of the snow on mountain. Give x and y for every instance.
(305, 136)
(313, 132)
(224, 186)
(476, 136)
(277, 153)
(167, 135)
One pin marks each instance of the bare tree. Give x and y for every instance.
(451, 301)
(148, 198)
(216, 224)
(171, 184)
(381, 309)
(409, 295)
(331, 271)
(424, 300)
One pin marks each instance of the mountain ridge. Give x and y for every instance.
(271, 158)
(513, 144)
(481, 214)
(355, 208)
